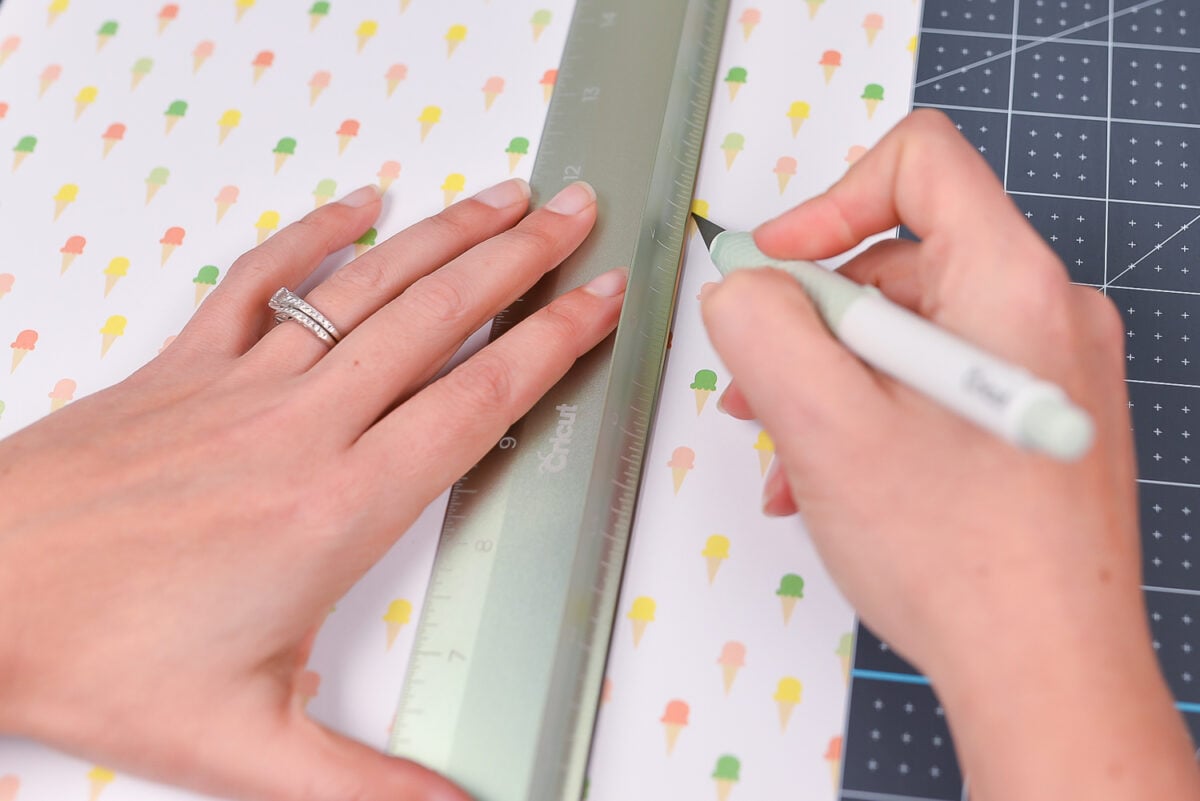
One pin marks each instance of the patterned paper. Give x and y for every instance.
(728, 669)
(151, 144)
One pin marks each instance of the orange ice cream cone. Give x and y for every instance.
(343, 142)
(488, 99)
(67, 260)
(783, 179)
(221, 209)
(45, 85)
(167, 250)
(728, 676)
(391, 86)
(259, 71)
(109, 144)
(313, 93)
(673, 730)
(57, 403)
(835, 771)
(829, 70)
(678, 474)
(547, 90)
(17, 357)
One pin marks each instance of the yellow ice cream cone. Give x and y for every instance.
(448, 196)
(263, 234)
(362, 42)
(764, 460)
(393, 631)
(225, 131)
(60, 206)
(785, 713)
(813, 7)
(110, 281)
(797, 124)
(426, 127)
(107, 343)
(79, 109)
(639, 629)
(714, 564)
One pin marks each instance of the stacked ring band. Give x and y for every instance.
(287, 305)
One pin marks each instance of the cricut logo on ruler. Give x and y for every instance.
(560, 442)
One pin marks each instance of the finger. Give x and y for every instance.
(234, 316)
(733, 403)
(403, 345)
(923, 174)
(810, 392)
(896, 267)
(308, 761)
(365, 285)
(448, 427)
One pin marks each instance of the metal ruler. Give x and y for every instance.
(505, 677)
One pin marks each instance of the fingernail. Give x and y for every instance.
(572, 200)
(360, 197)
(609, 284)
(505, 194)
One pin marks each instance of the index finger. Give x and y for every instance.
(922, 174)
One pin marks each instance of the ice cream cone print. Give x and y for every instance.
(787, 696)
(789, 606)
(225, 200)
(18, 356)
(87, 95)
(241, 7)
(549, 78)
(674, 720)
(204, 281)
(268, 221)
(67, 260)
(117, 269)
(872, 24)
(113, 329)
(791, 590)
(833, 757)
(10, 785)
(454, 37)
(98, 779)
(6, 283)
(167, 250)
(726, 775)
(729, 676)
(62, 394)
(716, 551)
(672, 730)
(398, 615)
(280, 160)
(845, 654)
(389, 171)
(641, 614)
(201, 54)
(733, 144)
(872, 96)
(539, 22)
(453, 186)
(57, 7)
(365, 32)
(66, 195)
(639, 631)
(365, 242)
(731, 660)
(766, 451)
(749, 20)
(9, 46)
(284, 149)
(678, 474)
(813, 7)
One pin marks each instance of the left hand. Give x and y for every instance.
(172, 543)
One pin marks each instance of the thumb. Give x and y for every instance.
(308, 762)
(811, 393)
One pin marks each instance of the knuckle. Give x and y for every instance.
(1105, 319)
(562, 322)
(441, 299)
(483, 383)
(450, 226)
(316, 228)
(368, 274)
(537, 236)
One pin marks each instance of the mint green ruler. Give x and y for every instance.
(504, 681)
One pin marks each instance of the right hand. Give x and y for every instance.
(987, 566)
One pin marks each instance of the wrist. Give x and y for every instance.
(1069, 707)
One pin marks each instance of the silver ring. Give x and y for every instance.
(287, 305)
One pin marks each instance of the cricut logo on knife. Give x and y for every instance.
(560, 442)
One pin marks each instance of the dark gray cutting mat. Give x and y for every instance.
(1089, 110)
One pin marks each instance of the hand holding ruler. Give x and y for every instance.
(509, 655)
